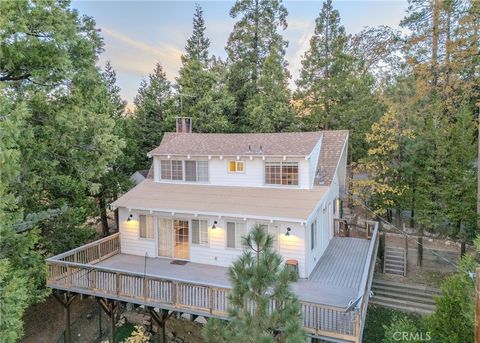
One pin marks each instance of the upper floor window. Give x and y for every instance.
(236, 166)
(281, 173)
(189, 170)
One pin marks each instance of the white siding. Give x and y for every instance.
(254, 175)
(131, 243)
(216, 253)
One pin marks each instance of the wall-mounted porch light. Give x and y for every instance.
(288, 231)
(214, 226)
(129, 217)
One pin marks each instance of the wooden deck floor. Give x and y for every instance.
(335, 280)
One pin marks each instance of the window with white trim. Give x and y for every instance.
(236, 166)
(200, 232)
(235, 232)
(281, 173)
(313, 234)
(145, 224)
(189, 170)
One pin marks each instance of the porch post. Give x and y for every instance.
(66, 301)
(161, 319)
(110, 308)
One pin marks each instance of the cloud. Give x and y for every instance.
(298, 33)
(135, 56)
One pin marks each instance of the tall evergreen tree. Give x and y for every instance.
(258, 278)
(153, 104)
(254, 35)
(72, 139)
(270, 110)
(201, 87)
(334, 91)
(198, 44)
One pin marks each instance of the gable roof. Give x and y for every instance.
(333, 143)
(231, 144)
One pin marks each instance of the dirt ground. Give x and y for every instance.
(45, 323)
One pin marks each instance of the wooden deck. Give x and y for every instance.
(342, 277)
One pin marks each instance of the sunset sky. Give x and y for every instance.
(138, 34)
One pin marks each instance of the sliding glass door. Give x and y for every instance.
(173, 241)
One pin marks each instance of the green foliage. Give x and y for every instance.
(380, 319)
(454, 316)
(334, 90)
(153, 103)
(13, 300)
(269, 110)
(254, 36)
(258, 278)
(403, 329)
(201, 84)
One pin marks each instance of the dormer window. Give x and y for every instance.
(236, 166)
(281, 173)
(189, 170)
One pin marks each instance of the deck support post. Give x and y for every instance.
(66, 301)
(110, 308)
(161, 319)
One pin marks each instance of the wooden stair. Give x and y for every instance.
(404, 297)
(395, 261)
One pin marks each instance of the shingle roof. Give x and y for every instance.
(249, 202)
(331, 149)
(231, 144)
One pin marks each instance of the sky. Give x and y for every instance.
(138, 34)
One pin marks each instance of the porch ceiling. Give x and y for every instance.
(251, 202)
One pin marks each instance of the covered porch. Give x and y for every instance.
(334, 298)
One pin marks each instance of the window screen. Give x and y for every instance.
(202, 171)
(177, 170)
(190, 170)
(235, 232)
(166, 169)
(199, 232)
(146, 226)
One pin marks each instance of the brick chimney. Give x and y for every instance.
(184, 124)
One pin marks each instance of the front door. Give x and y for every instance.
(181, 250)
(173, 238)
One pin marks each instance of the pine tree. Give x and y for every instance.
(153, 103)
(334, 90)
(254, 35)
(201, 87)
(69, 137)
(259, 278)
(197, 45)
(270, 110)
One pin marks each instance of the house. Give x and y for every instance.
(180, 229)
(207, 190)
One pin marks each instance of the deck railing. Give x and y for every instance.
(76, 271)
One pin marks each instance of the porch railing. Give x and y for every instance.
(76, 271)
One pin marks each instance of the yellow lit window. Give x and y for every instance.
(236, 166)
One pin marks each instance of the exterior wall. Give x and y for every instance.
(216, 253)
(254, 175)
(130, 242)
(341, 174)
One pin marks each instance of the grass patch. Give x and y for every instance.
(377, 317)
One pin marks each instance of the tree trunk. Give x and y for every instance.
(463, 249)
(420, 247)
(103, 215)
(435, 39)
